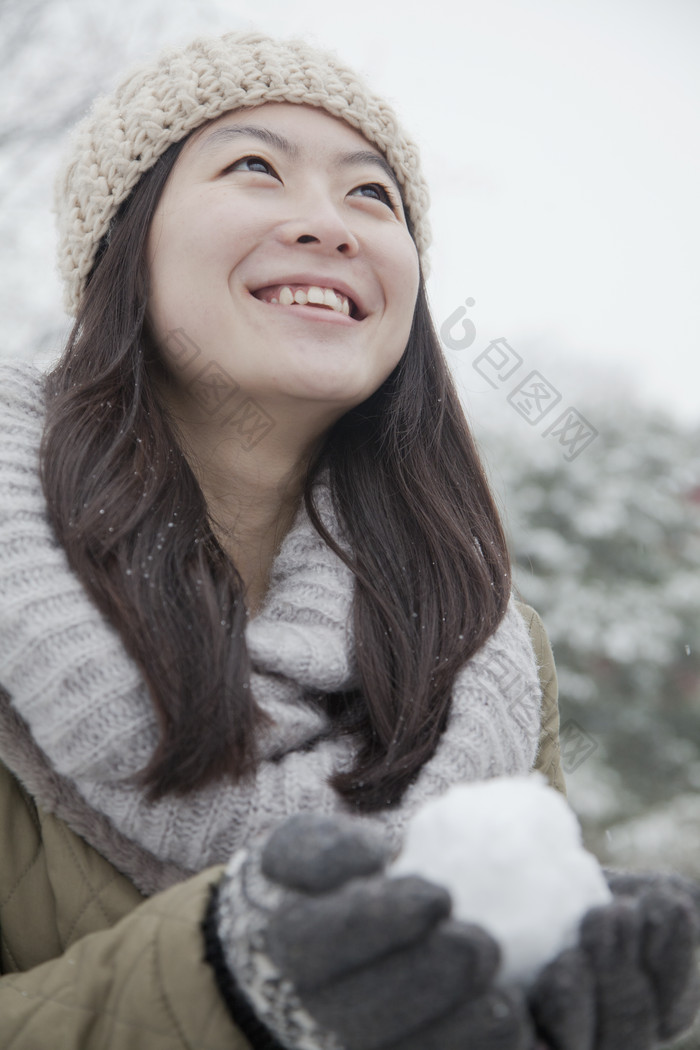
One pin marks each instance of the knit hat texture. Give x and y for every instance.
(164, 100)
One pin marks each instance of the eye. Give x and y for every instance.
(376, 191)
(254, 164)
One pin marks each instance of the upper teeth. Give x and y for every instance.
(314, 294)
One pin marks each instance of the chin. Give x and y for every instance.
(341, 390)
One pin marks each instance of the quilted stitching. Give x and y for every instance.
(30, 810)
(139, 986)
(23, 881)
(54, 888)
(97, 896)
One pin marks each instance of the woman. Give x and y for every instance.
(256, 604)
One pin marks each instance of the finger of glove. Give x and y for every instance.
(625, 1008)
(668, 954)
(634, 884)
(669, 911)
(497, 1021)
(315, 853)
(380, 1004)
(684, 1012)
(314, 940)
(563, 1002)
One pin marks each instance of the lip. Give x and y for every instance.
(313, 314)
(321, 281)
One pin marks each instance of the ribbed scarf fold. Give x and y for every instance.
(76, 718)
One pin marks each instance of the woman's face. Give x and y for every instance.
(264, 208)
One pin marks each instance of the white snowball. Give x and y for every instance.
(509, 851)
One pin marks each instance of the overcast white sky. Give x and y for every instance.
(560, 138)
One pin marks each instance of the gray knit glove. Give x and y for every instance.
(633, 979)
(330, 953)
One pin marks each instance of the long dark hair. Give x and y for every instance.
(429, 553)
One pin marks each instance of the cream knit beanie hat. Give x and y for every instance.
(163, 101)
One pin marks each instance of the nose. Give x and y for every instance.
(319, 223)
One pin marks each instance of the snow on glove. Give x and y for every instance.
(333, 955)
(633, 980)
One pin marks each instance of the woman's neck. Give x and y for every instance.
(251, 523)
(252, 495)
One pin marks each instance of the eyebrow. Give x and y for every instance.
(351, 159)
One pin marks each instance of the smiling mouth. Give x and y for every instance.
(309, 295)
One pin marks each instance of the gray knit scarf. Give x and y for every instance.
(76, 719)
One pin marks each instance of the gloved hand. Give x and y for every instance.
(330, 953)
(632, 980)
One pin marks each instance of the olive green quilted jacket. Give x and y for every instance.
(87, 963)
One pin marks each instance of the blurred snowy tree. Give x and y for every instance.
(55, 57)
(607, 548)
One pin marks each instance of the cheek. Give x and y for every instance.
(200, 232)
(182, 248)
(191, 251)
(403, 280)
